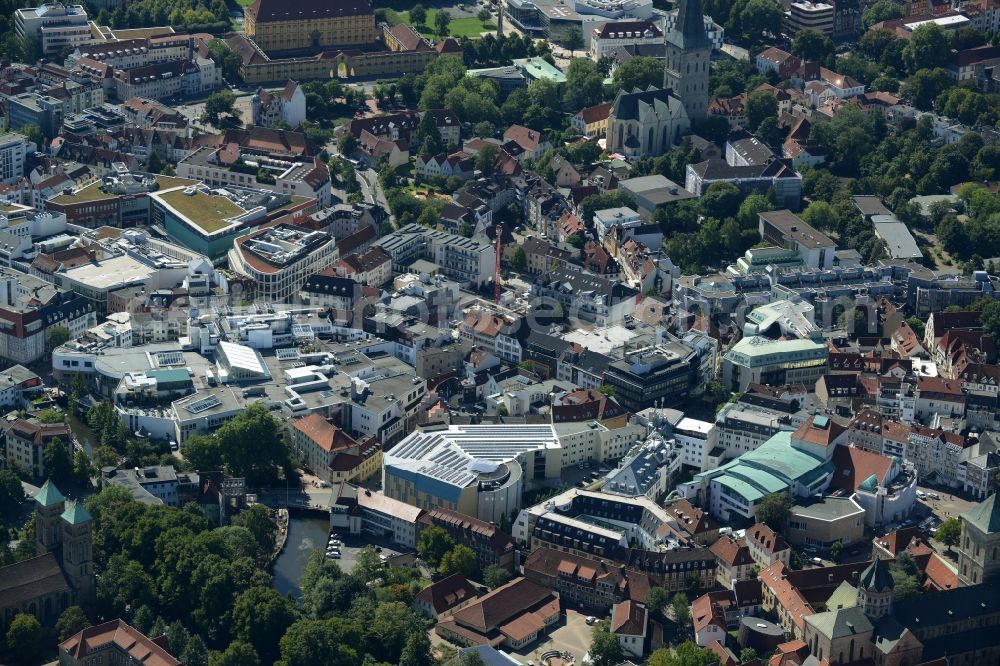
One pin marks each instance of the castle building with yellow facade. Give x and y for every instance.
(299, 25)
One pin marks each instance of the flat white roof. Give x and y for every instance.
(694, 425)
(114, 272)
(243, 357)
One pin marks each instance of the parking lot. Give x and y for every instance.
(942, 503)
(353, 544)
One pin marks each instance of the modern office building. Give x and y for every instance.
(278, 260)
(14, 149)
(760, 360)
(808, 15)
(54, 25)
(480, 470)
(656, 376)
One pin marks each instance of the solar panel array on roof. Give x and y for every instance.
(207, 402)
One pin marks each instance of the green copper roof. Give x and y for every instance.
(76, 513)
(985, 515)
(49, 495)
(877, 577)
(870, 484)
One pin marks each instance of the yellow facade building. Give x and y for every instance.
(298, 25)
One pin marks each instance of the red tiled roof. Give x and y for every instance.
(731, 552)
(628, 618)
(447, 593)
(326, 435)
(852, 466)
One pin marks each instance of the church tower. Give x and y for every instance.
(77, 552)
(875, 590)
(49, 505)
(689, 51)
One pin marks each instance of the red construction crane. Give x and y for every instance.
(496, 271)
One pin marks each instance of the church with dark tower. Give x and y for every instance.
(62, 572)
(688, 54)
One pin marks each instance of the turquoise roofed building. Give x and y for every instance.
(733, 491)
(798, 463)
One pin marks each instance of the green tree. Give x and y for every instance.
(55, 336)
(429, 136)
(195, 652)
(821, 215)
(747, 654)
(202, 452)
(682, 611)
(573, 40)
(258, 520)
(990, 319)
(57, 460)
(257, 463)
(486, 160)
(310, 642)
(836, 550)
(23, 638)
(71, 621)
(917, 325)
(418, 15)
(496, 576)
(774, 510)
(811, 44)
(261, 616)
(442, 19)
(11, 490)
(949, 532)
(239, 653)
(219, 104)
(924, 86)
(35, 135)
(584, 84)
(721, 200)
(760, 105)
(639, 72)
(460, 559)
(657, 600)
(417, 651)
(519, 260)
(929, 46)
(51, 416)
(686, 654)
(82, 467)
(883, 10)
(433, 544)
(484, 16)
(757, 17)
(154, 163)
(605, 650)
(367, 565)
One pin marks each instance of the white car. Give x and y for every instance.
(591, 619)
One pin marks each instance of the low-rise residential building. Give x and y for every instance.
(733, 560)
(767, 546)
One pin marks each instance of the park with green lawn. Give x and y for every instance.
(465, 26)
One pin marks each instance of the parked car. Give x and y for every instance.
(591, 619)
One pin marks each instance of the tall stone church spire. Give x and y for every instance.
(689, 51)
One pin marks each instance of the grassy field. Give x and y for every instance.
(244, 3)
(459, 27)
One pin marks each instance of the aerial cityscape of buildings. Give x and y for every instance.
(509, 332)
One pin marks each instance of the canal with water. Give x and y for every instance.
(305, 534)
